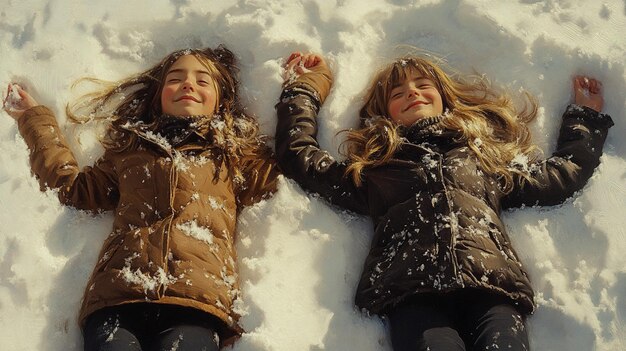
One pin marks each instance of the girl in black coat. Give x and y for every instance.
(434, 162)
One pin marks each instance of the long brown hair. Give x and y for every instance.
(136, 100)
(487, 121)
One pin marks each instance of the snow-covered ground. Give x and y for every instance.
(300, 259)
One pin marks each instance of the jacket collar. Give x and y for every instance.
(422, 129)
(174, 132)
(430, 135)
(180, 129)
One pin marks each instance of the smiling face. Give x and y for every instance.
(189, 89)
(414, 98)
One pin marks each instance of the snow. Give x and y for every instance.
(146, 281)
(12, 98)
(299, 258)
(193, 230)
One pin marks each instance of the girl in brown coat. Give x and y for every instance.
(181, 159)
(433, 164)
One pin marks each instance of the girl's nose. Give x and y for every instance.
(412, 91)
(187, 86)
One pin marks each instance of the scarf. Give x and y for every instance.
(179, 130)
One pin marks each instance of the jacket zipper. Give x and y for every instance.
(173, 175)
(454, 229)
(166, 232)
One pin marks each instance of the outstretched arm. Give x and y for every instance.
(306, 86)
(308, 71)
(579, 147)
(94, 188)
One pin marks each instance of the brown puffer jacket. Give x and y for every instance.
(173, 232)
(436, 215)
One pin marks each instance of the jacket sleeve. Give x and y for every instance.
(579, 147)
(94, 189)
(260, 173)
(300, 157)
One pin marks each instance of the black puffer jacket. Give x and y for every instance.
(435, 214)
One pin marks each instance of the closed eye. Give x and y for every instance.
(424, 82)
(397, 94)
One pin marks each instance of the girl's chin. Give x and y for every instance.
(413, 119)
(189, 112)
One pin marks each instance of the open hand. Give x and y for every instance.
(299, 63)
(588, 92)
(310, 70)
(17, 101)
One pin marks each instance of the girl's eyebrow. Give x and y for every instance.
(180, 70)
(397, 84)
(424, 78)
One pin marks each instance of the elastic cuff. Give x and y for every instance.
(38, 110)
(301, 88)
(588, 114)
(34, 114)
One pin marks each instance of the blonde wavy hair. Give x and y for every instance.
(486, 120)
(137, 100)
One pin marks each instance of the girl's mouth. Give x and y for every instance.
(413, 104)
(187, 97)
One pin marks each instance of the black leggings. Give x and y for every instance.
(458, 321)
(144, 326)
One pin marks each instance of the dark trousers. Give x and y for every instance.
(457, 321)
(145, 326)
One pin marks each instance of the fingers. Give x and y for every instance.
(293, 62)
(311, 60)
(13, 97)
(576, 81)
(11, 105)
(17, 101)
(592, 85)
(21, 92)
(296, 65)
(294, 55)
(305, 60)
(6, 98)
(588, 92)
(595, 86)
